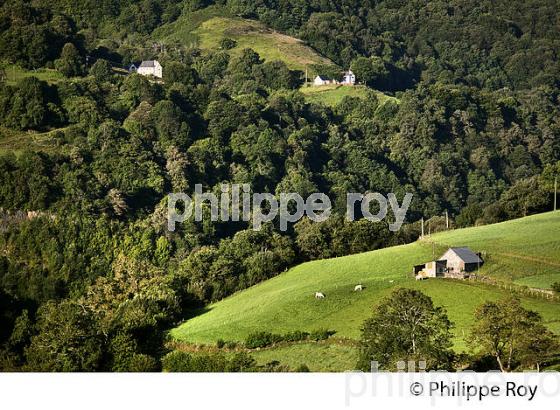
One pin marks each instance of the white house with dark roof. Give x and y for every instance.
(322, 80)
(349, 78)
(151, 67)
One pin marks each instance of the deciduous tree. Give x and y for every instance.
(406, 326)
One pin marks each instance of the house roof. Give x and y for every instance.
(321, 77)
(466, 255)
(148, 63)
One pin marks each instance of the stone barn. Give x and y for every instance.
(455, 263)
(461, 260)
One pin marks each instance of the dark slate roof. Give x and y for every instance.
(322, 77)
(467, 255)
(148, 63)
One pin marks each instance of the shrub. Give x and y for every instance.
(274, 367)
(227, 43)
(261, 339)
(220, 343)
(231, 345)
(302, 368)
(177, 361)
(296, 336)
(556, 287)
(242, 362)
(143, 363)
(321, 334)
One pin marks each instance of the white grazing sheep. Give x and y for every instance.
(358, 288)
(319, 295)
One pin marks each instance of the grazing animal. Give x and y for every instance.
(391, 281)
(358, 288)
(319, 295)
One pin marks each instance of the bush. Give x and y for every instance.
(228, 344)
(242, 362)
(302, 368)
(321, 334)
(264, 339)
(227, 43)
(261, 339)
(231, 345)
(177, 361)
(143, 363)
(556, 287)
(274, 366)
(296, 336)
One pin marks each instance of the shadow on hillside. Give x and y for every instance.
(193, 312)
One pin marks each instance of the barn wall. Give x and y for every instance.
(454, 263)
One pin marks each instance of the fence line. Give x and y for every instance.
(512, 287)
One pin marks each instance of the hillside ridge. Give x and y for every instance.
(285, 302)
(206, 28)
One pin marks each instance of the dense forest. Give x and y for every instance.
(90, 277)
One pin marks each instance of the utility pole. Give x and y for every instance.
(446, 219)
(555, 190)
(306, 76)
(422, 236)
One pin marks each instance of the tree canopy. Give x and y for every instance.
(406, 326)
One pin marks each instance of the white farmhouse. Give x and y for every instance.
(322, 80)
(151, 67)
(349, 78)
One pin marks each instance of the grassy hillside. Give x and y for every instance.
(14, 73)
(18, 141)
(206, 28)
(526, 251)
(526, 247)
(325, 356)
(332, 95)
